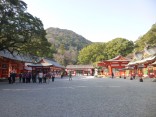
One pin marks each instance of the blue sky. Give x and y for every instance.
(97, 20)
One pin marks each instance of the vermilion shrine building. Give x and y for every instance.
(144, 63)
(19, 63)
(115, 65)
(46, 65)
(12, 62)
(78, 70)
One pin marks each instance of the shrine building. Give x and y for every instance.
(23, 63)
(144, 62)
(45, 65)
(12, 63)
(78, 70)
(114, 66)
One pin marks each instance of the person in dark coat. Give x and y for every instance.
(13, 77)
(53, 77)
(70, 76)
(10, 78)
(62, 74)
(20, 77)
(23, 77)
(112, 75)
(34, 77)
(44, 77)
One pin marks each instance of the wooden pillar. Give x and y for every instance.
(9, 67)
(124, 75)
(110, 69)
(154, 71)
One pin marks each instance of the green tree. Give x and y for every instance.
(119, 46)
(92, 53)
(19, 30)
(148, 38)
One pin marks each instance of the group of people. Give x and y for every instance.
(27, 77)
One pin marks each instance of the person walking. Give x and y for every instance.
(24, 77)
(70, 76)
(27, 77)
(44, 78)
(13, 77)
(40, 76)
(34, 77)
(53, 77)
(10, 78)
(20, 77)
(112, 75)
(62, 73)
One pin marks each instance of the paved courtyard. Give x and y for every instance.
(81, 97)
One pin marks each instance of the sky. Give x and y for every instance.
(97, 20)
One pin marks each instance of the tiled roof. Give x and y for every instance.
(119, 58)
(46, 63)
(19, 57)
(154, 63)
(150, 50)
(151, 58)
(146, 56)
(38, 65)
(54, 63)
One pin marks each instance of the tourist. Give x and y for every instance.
(53, 76)
(112, 75)
(70, 76)
(10, 78)
(20, 77)
(44, 77)
(13, 77)
(40, 76)
(34, 77)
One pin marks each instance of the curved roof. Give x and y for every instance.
(46, 63)
(154, 63)
(150, 50)
(145, 57)
(19, 56)
(119, 58)
(138, 55)
(52, 62)
(151, 58)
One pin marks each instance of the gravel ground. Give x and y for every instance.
(81, 97)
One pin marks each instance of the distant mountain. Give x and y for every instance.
(67, 44)
(68, 38)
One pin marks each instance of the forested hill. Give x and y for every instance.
(67, 38)
(67, 44)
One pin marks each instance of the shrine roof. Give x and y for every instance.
(145, 56)
(32, 60)
(150, 50)
(145, 60)
(45, 62)
(19, 56)
(118, 58)
(38, 65)
(52, 62)
(154, 64)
